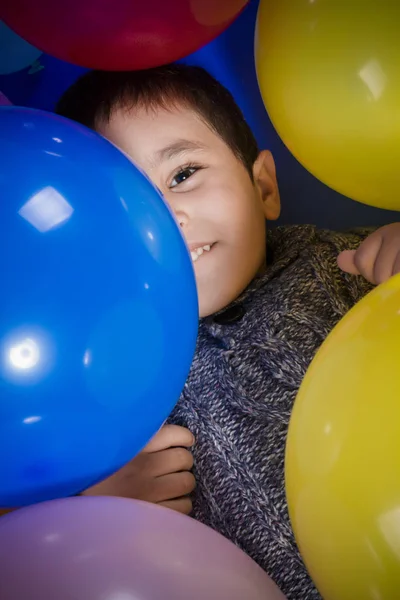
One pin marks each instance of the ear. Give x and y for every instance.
(264, 174)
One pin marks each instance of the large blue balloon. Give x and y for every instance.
(98, 308)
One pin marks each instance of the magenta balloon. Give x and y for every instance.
(98, 548)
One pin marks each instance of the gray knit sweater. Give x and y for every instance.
(249, 363)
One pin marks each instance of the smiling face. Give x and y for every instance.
(220, 209)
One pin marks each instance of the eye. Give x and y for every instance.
(182, 175)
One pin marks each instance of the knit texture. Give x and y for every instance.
(240, 392)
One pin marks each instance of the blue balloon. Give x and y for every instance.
(98, 308)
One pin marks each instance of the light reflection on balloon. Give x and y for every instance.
(87, 358)
(31, 420)
(389, 525)
(46, 209)
(4, 101)
(25, 354)
(28, 355)
(374, 77)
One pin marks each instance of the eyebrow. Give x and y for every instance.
(175, 149)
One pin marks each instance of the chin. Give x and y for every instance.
(205, 310)
(209, 308)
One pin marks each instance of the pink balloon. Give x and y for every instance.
(99, 548)
(4, 101)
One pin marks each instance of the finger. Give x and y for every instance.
(366, 255)
(345, 262)
(174, 485)
(172, 460)
(124, 482)
(182, 505)
(385, 260)
(169, 436)
(396, 265)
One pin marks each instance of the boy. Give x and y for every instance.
(267, 300)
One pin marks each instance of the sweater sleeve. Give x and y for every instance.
(344, 290)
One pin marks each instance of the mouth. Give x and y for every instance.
(197, 252)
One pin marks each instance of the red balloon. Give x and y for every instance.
(118, 35)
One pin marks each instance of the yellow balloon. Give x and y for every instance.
(343, 455)
(329, 75)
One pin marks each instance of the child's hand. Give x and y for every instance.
(377, 258)
(159, 474)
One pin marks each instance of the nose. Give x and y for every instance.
(181, 217)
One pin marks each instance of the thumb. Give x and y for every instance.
(170, 436)
(346, 263)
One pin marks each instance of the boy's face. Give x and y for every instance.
(220, 210)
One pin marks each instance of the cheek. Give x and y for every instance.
(243, 217)
(228, 200)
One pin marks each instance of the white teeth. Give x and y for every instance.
(195, 254)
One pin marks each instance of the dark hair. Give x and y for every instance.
(94, 96)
